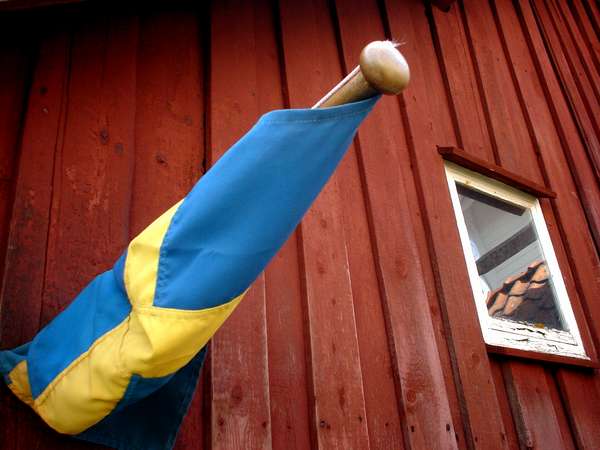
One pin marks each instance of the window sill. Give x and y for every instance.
(544, 357)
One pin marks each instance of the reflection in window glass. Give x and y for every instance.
(513, 273)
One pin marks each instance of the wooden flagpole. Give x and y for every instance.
(382, 69)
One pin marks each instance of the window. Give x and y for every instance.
(519, 291)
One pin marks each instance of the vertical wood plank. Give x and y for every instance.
(560, 410)
(533, 408)
(508, 124)
(378, 366)
(507, 416)
(462, 84)
(169, 123)
(287, 357)
(336, 384)
(89, 224)
(428, 126)
(582, 403)
(239, 373)
(427, 419)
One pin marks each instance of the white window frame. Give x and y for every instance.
(502, 332)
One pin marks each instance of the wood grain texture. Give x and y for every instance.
(89, 214)
(169, 118)
(560, 411)
(497, 366)
(463, 86)
(582, 405)
(288, 376)
(533, 409)
(508, 125)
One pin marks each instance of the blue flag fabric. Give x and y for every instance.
(119, 365)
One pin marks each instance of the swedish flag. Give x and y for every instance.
(120, 364)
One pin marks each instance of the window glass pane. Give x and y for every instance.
(514, 277)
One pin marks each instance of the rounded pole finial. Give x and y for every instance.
(384, 67)
(382, 70)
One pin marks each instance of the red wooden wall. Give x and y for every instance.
(362, 333)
